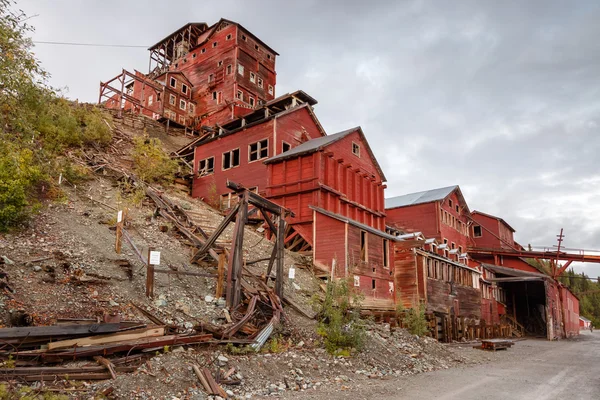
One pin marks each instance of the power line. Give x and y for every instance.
(89, 44)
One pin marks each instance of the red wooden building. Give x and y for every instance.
(441, 213)
(236, 150)
(335, 186)
(199, 75)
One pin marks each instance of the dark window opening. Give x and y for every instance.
(356, 149)
(450, 203)
(214, 95)
(373, 284)
(244, 38)
(457, 208)
(259, 150)
(363, 246)
(184, 88)
(453, 245)
(285, 147)
(255, 47)
(229, 69)
(173, 82)
(214, 44)
(231, 159)
(476, 231)
(385, 253)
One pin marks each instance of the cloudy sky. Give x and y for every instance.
(501, 98)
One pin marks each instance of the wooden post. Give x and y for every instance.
(279, 258)
(221, 275)
(149, 275)
(119, 231)
(234, 271)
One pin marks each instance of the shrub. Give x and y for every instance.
(340, 324)
(415, 321)
(151, 163)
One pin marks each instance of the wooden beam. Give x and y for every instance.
(213, 238)
(106, 339)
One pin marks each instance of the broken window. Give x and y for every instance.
(182, 104)
(373, 284)
(150, 99)
(259, 150)
(260, 83)
(206, 166)
(203, 51)
(476, 231)
(239, 95)
(385, 253)
(194, 55)
(450, 203)
(229, 68)
(244, 38)
(453, 245)
(214, 44)
(256, 47)
(231, 159)
(251, 101)
(182, 120)
(228, 37)
(220, 64)
(214, 95)
(457, 208)
(252, 77)
(270, 89)
(172, 99)
(356, 280)
(241, 69)
(211, 77)
(285, 147)
(158, 96)
(363, 246)
(269, 56)
(191, 108)
(355, 149)
(184, 88)
(173, 82)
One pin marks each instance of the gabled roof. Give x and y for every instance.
(494, 217)
(584, 319)
(317, 144)
(426, 196)
(213, 29)
(356, 224)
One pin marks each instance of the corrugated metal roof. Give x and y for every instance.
(312, 145)
(426, 196)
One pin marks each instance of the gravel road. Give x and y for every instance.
(532, 370)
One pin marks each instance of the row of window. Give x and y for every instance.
(174, 82)
(364, 249)
(256, 151)
(443, 271)
(495, 292)
(454, 222)
(183, 105)
(253, 78)
(373, 284)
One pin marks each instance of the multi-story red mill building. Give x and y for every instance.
(218, 82)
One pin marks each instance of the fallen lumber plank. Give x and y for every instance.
(202, 379)
(58, 330)
(298, 308)
(106, 339)
(28, 371)
(108, 365)
(129, 346)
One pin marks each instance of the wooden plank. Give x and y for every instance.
(58, 330)
(107, 364)
(220, 275)
(106, 339)
(202, 379)
(217, 232)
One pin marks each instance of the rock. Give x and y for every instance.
(178, 349)
(229, 393)
(209, 299)
(221, 302)
(222, 360)
(160, 303)
(296, 286)
(113, 303)
(7, 260)
(300, 343)
(37, 268)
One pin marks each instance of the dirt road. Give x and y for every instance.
(532, 369)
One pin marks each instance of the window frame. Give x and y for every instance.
(150, 99)
(230, 152)
(475, 235)
(271, 90)
(240, 69)
(239, 95)
(356, 146)
(173, 82)
(258, 150)
(259, 82)
(172, 99)
(252, 77)
(215, 44)
(229, 69)
(228, 37)
(212, 171)
(364, 246)
(283, 143)
(251, 101)
(182, 101)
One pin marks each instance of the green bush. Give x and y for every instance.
(415, 321)
(36, 124)
(151, 163)
(339, 319)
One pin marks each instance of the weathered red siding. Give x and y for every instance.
(494, 233)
